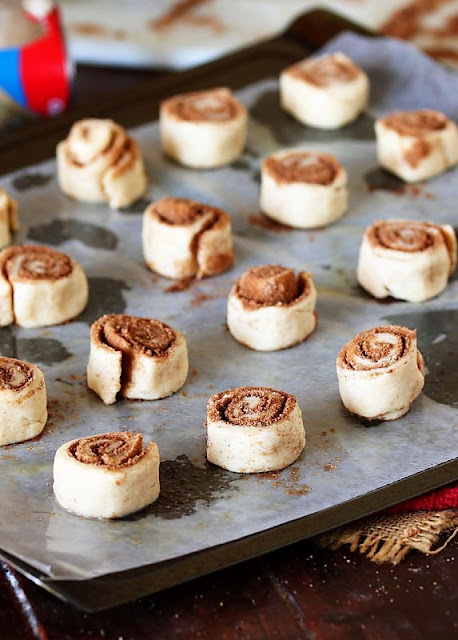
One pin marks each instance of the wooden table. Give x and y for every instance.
(298, 592)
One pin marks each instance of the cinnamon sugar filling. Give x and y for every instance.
(308, 167)
(376, 348)
(269, 285)
(34, 262)
(250, 406)
(323, 71)
(415, 123)
(405, 236)
(14, 374)
(181, 210)
(110, 450)
(132, 335)
(214, 105)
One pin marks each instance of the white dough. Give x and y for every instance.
(409, 145)
(23, 409)
(203, 129)
(409, 260)
(103, 487)
(326, 92)
(380, 372)
(256, 442)
(99, 162)
(292, 191)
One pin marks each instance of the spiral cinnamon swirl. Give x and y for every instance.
(381, 372)
(40, 286)
(99, 162)
(139, 358)
(409, 260)
(254, 429)
(303, 189)
(271, 307)
(106, 476)
(8, 218)
(326, 92)
(183, 238)
(203, 129)
(23, 412)
(416, 145)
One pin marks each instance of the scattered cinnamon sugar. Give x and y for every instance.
(409, 23)
(88, 29)
(263, 222)
(287, 479)
(200, 298)
(212, 22)
(194, 373)
(411, 190)
(180, 285)
(176, 12)
(405, 23)
(183, 394)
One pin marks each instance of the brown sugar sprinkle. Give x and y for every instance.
(179, 210)
(217, 105)
(302, 166)
(110, 450)
(323, 71)
(269, 285)
(415, 123)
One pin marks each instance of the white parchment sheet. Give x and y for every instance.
(201, 505)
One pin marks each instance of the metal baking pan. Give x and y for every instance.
(36, 143)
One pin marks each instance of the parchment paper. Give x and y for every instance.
(201, 505)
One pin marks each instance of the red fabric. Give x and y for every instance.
(437, 500)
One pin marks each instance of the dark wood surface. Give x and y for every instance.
(298, 592)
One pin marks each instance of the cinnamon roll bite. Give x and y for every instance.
(381, 372)
(203, 129)
(271, 307)
(23, 409)
(40, 287)
(183, 238)
(254, 429)
(407, 259)
(325, 92)
(416, 145)
(138, 358)
(99, 162)
(8, 218)
(106, 476)
(303, 189)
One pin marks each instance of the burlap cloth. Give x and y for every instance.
(426, 524)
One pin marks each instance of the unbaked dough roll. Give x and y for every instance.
(303, 189)
(106, 476)
(40, 286)
(139, 358)
(381, 372)
(254, 429)
(99, 162)
(8, 218)
(203, 129)
(325, 92)
(416, 145)
(183, 238)
(406, 259)
(271, 308)
(23, 412)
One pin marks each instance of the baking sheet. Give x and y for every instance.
(202, 506)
